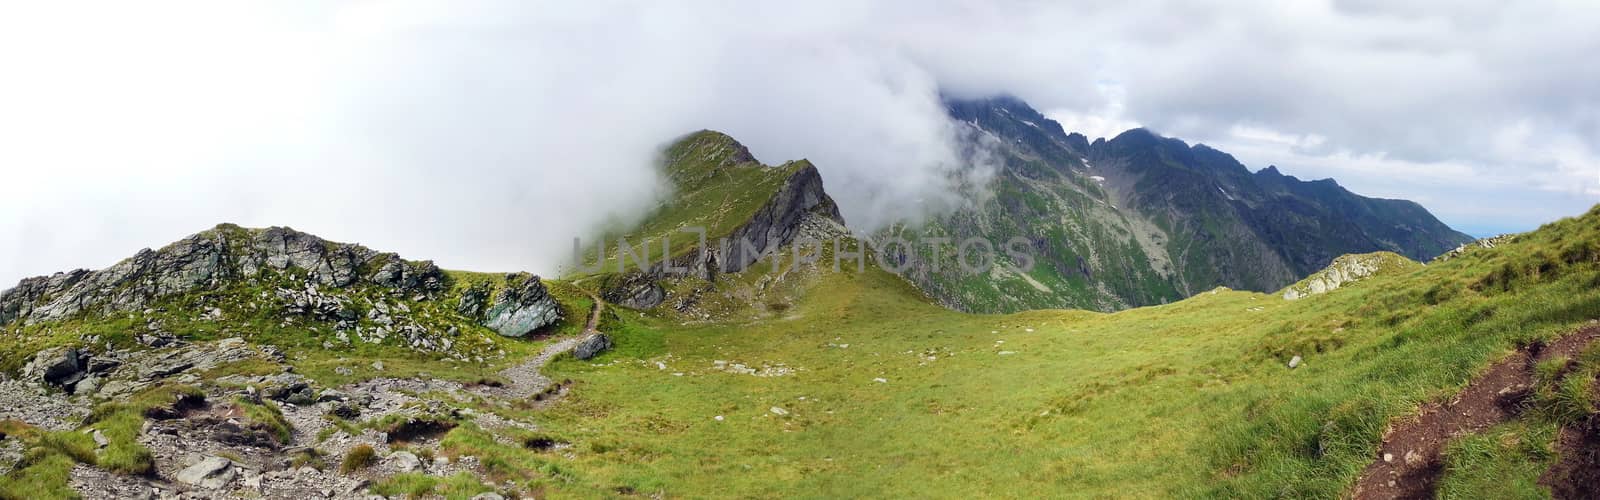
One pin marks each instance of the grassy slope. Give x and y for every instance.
(1188, 399)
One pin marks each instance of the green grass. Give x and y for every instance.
(359, 457)
(1504, 462)
(122, 422)
(45, 469)
(460, 486)
(1191, 399)
(124, 454)
(267, 415)
(309, 457)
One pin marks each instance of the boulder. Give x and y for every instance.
(345, 411)
(522, 308)
(58, 366)
(303, 397)
(212, 472)
(403, 461)
(634, 291)
(592, 346)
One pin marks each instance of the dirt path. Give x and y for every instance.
(1576, 475)
(1409, 462)
(525, 380)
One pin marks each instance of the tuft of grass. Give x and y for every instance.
(359, 457)
(124, 454)
(45, 469)
(460, 486)
(312, 457)
(1503, 462)
(268, 416)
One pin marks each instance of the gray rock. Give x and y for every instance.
(403, 461)
(100, 439)
(473, 300)
(488, 496)
(208, 260)
(303, 397)
(1294, 362)
(592, 346)
(212, 472)
(634, 290)
(89, 385)
(331, 395)
(521, 308)
(58, 366)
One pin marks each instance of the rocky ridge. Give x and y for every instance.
(233, 275)
(1345, 270)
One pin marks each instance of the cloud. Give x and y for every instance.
(486, 134)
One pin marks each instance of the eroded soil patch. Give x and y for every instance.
(1409, 461)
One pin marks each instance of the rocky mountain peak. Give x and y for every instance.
(298, 274)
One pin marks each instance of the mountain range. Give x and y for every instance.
(1142, 219)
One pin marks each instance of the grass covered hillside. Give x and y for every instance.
(865, 390)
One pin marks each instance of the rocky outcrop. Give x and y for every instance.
(772, 227)
(1345, 270)
(61, 367)
(591, 346)
(776, 224)
(208, 260)
(633, 290)
(522, 307)
(210, 473)
(1489, 242)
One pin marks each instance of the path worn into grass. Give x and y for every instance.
(525, 379)
(1576, 474)
(1409, 461)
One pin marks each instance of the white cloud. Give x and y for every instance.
(485, 134)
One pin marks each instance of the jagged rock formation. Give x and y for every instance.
(1348, 269)
(521, 307)
(208, 260)
(1141, 219)
(592, 346)
(365, 295)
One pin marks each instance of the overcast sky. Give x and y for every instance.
(486, 135)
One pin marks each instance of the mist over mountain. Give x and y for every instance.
(1141, 219)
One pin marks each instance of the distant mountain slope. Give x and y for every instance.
(1142, 219)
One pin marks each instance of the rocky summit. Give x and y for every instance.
(289, 276)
